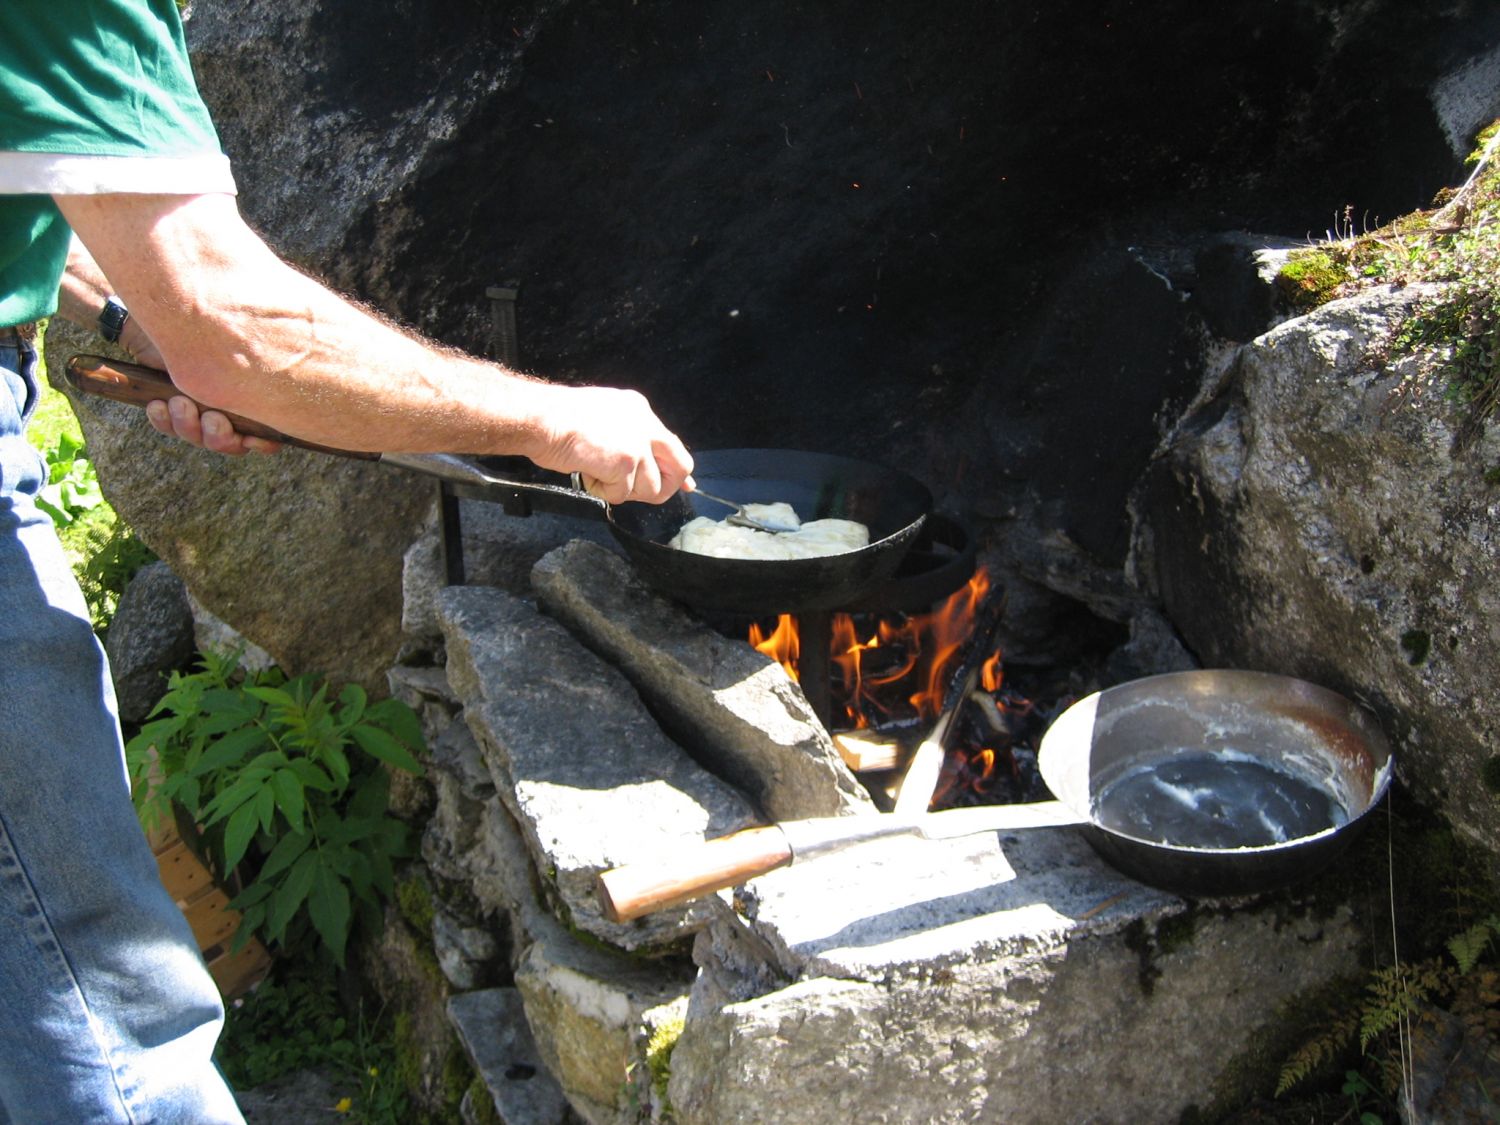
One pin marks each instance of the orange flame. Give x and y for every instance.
(781, 644)
(992, 676)
(944, 636)
(923, 646)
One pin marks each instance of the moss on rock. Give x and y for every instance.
(1310, 277)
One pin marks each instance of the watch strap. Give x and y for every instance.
(112, 319)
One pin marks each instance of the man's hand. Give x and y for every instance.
(180, 417)
(615, 440)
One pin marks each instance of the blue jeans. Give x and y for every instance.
(107, 1012)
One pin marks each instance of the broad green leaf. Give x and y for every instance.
(269, 761)
(265, 806)
(337, 765)
(339, 857)
(312, 775)
(231, 799)
(287, 850)
(328, 822)
(157, 732)
(190, 795)
(400, 720)
(229, 750)
(328, 906)
(238, 834)
(254, 893)
(292, 893)
(373, 795)
(229, 701)
(340, 833)
(362, 891)
(382, 745)
(288, 789)
(353, 700)
(276, 697)
(250, 921)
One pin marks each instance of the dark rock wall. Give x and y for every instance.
(983, 242)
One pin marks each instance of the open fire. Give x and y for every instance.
(891, 676)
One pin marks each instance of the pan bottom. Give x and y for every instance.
(1216, 800)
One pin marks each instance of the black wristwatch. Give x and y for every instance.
(112, 319)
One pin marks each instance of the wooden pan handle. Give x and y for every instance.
(136, 385)
(697, 870)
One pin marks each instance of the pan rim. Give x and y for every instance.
(919, 501)
(1083, 709)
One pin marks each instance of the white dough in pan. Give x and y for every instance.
(704, 536)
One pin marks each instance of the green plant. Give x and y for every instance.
(1309, 277)
(659, 1050)
(103, 551)
(105, 555)
(1359, 1091)
(1394, 999)
(287, 780)
(72, 485)
(295, 1020)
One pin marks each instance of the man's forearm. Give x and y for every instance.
(81, 298)
(242, 331)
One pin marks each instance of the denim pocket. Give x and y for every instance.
(21, 468)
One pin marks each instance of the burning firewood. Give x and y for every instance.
(921, 779)
(880, 748)
(989, 710)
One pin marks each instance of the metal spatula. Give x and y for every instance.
(741, 519)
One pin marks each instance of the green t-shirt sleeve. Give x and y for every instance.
(99, 77)
(95, 96)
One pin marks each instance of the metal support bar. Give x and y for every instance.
(452, 532)
(504, 343)
(814, 662)
(504, 346)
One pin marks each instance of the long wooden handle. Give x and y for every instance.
(136, 385)
(637, 889)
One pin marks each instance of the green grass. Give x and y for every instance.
(296, 1020)
(104, 552)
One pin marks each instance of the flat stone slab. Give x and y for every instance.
(999, 977)
(589, 777)
(900, 905)
(491, 1024)
(736, 710)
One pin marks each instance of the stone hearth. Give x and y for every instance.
(583, 722)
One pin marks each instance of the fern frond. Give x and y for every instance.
(1318, 1051)
(1470, 945)
(1395, 993)
(1391, 1001)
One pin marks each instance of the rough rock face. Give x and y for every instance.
(150, 636)
(1036, 1027)
(736, 710)
(983, 248)
(1314, 515)
(550, 719)
(300, 552)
